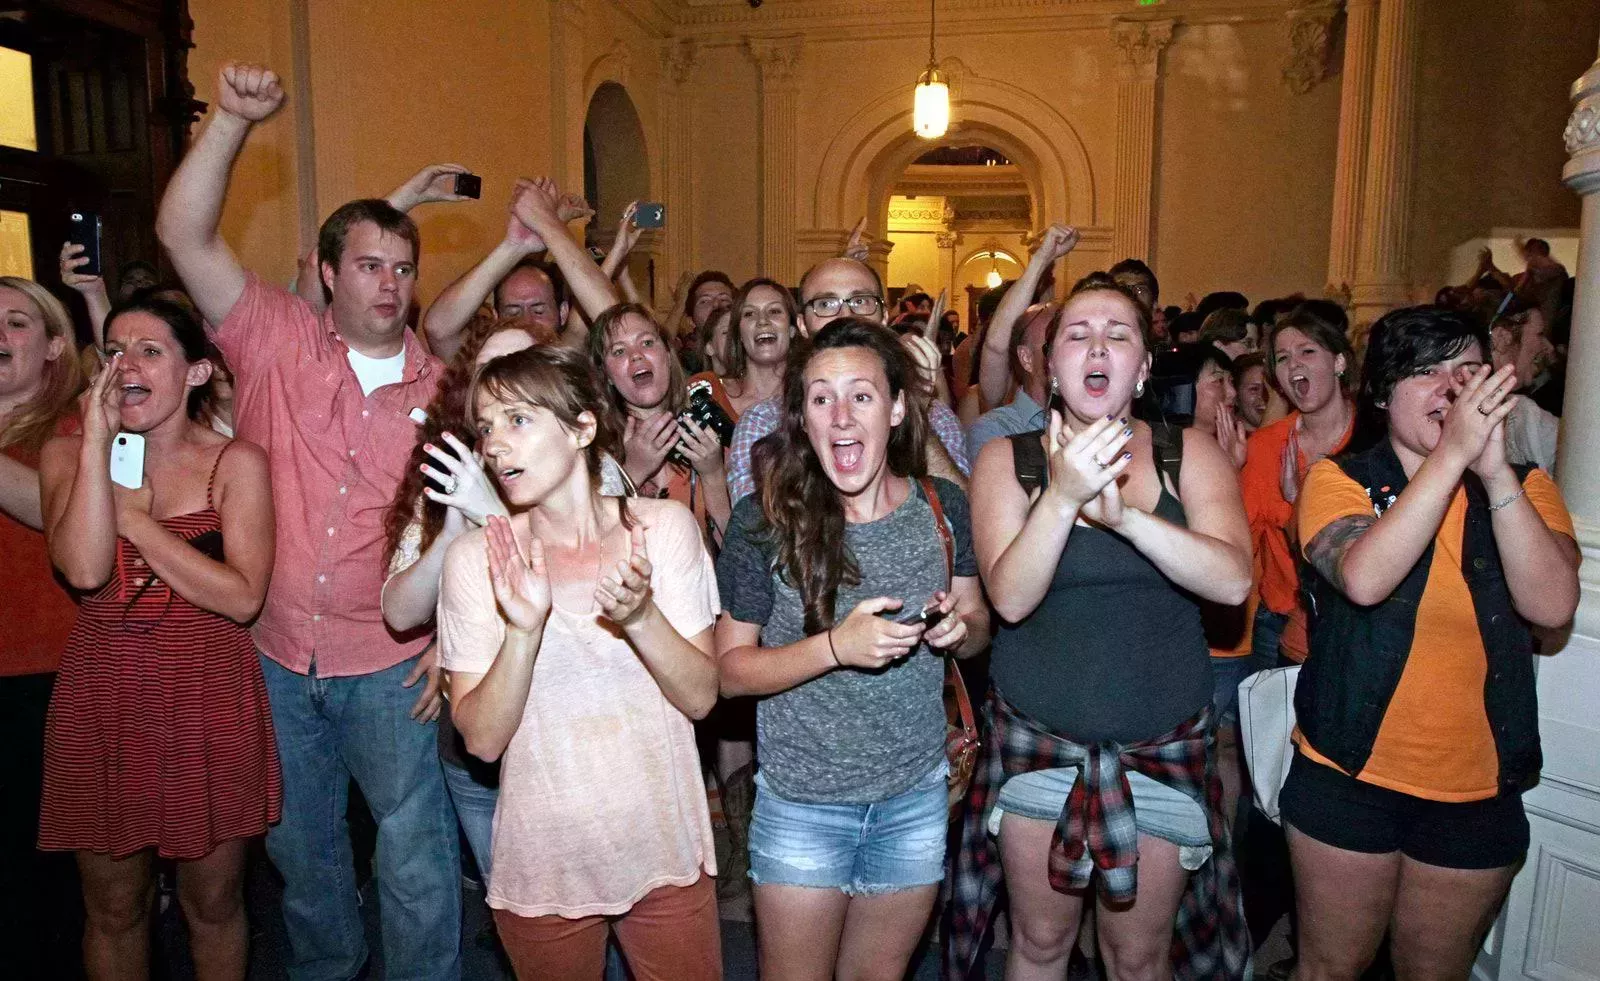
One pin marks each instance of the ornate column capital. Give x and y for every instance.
(678, 57)
(776, 57)
(1582, 172)
(1141, 43)
(1310, 44)
(946, 240)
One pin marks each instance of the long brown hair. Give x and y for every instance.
(568, 385)
(738, 360)
(448, 412)
(32, 425)
(803, 515)
(600, 339)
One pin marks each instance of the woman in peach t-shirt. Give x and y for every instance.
(577, 642)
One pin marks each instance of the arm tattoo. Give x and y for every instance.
(1326, 551)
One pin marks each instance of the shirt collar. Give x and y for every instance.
(418, 364)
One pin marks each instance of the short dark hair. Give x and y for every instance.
(1221, 300)
(558, 282)
(136, 265)
(389, 219)
(708, 276)
(1403, 342)
(1538, 245)
(1226, 326)
(1137, 267)
(1326, 324)
(989, 302)
(1267, 312)
(1246, 361)
(913, 300)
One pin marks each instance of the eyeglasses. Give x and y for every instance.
(861, 305)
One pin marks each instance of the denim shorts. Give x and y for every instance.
(860, 849)
(1158, 810)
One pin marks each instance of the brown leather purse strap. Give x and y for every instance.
(946, 537)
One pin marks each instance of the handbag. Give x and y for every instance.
(1266, 727)
(960, 726)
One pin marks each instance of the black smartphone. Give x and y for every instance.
(652, 214)
(83, 228)
(469, 185)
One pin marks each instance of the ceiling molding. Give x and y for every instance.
(714, 20)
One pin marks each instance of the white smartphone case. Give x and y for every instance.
(127, 460)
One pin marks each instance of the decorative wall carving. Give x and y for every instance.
(678, 57)
(1141, 43)
(1310, 44)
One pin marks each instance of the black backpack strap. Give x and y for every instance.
(1166, 447)
(1027, 460)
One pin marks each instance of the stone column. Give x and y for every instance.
(777, 60)
(566, 93)
(677, 168)
(1580, 450)
(1551, 918)
(1140, 44)
(1382, 274)
(1355, 117)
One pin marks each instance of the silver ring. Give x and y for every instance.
(1103, 465)
(455, 482)
(1481, 410)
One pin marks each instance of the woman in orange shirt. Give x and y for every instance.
(1313, 365)
(1418, 722)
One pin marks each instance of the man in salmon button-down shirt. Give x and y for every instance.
(330, 397)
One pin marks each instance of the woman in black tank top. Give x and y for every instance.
(1097, 571)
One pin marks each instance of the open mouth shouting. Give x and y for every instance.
(847, 454)
(1300, 385)
(5, 357)
(134, 394)
(1096, 383)
(766, 338)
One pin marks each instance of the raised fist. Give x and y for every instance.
(250, 92)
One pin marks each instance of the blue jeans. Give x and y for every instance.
(474, 809)
(1266, 632)
(859, 849)
(328, 731)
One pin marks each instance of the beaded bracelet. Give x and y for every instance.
(1498, 505)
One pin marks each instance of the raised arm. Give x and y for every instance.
(536, 204)
(994, 366)
(91, 288)
(236, 586)
(192, 207)
(454, 308)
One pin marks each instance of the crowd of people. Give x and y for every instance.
(533, 575)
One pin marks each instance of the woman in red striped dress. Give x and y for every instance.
(159, 739)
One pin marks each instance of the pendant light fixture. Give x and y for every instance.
(930, 115)
(994, 279)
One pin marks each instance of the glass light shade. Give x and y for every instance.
(993, 279)
(931, 113)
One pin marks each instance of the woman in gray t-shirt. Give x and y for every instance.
(838, 597)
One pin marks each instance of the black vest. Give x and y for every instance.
(1358, 652)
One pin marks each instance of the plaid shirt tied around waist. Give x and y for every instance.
(1096, 832)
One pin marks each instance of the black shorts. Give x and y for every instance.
(1339, 810)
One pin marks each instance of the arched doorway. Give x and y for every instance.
(959, 217)
(616, 162)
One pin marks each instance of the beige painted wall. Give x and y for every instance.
(1491, 107)
(1243, 166)
(1244, 169)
